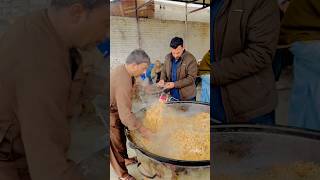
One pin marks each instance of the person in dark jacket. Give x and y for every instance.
(244, 39)
(179, 72)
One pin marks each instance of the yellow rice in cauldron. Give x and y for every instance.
(177, 136)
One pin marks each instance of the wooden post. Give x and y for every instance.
(138, 24)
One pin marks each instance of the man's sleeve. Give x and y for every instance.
(192, 71)
(42, 94)
(262, 37)
(124, 105)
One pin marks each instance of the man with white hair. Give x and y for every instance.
(40, 84)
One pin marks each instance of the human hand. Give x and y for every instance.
(161, 83)
(169, 85)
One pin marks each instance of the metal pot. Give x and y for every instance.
(153, 166)
(245, 152)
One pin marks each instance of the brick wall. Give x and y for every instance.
(155, 37)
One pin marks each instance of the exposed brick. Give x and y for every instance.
(155, 37)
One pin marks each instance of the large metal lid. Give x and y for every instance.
(243, 150)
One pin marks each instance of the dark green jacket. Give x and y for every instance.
(301, 22)
(204, 67)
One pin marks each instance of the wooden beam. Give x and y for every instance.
(121, 9)
(145, 4)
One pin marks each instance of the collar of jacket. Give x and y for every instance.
(185, 52)
(226, 3)
(223, 10)
(181, 57)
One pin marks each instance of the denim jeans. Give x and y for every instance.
(304, 110)
(205, 88)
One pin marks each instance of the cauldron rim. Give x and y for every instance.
(274, 157)
(200, 163)
(275, 129)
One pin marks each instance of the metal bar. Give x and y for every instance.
(186, 24)
(121, 10)
(198, 9)
(138, 24)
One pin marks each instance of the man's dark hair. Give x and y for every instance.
(175, 42)
(89, 4)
